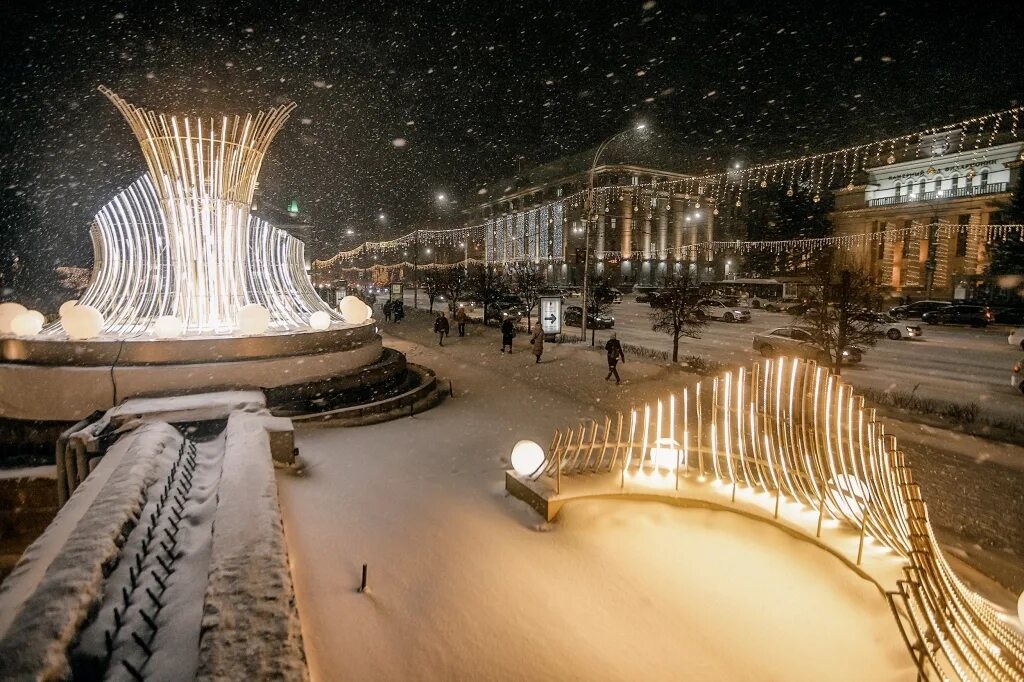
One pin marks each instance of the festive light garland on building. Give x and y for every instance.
(815, 173)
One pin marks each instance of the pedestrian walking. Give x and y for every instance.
(508, 332)
(537, 341)
(441, 328)
(398, 308)
(615, 354)
(387, 310)
(460, 319)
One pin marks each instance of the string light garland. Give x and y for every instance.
(818, 173)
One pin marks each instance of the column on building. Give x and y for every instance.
(626, 236)
(678, 226)
(599, 242)
(974, 260)
(889, 271)
(912, 269)
(662, 220)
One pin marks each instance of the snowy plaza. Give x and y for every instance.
(418, 342)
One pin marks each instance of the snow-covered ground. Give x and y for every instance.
(467, 583)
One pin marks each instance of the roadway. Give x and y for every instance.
(957, 364)
(951, 363)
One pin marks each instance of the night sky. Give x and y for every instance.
(398, 101)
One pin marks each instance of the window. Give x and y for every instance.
(801, 335)
(938, 184)
(782, 332)
(953, 182)
(984, 179)
(897, 188)
(920, 188)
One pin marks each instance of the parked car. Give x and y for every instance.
(1008, 315)
(916, 309)
(974, 315)
(796, 342)
(717, 310)
(645, 294)
(613, 296)
(1016, 338)
(573, 317)
(1017, 375)
(777, 306)
(889, 326)
(511, 306)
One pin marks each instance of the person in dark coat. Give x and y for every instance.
(387, 311)
(508, 331)
(460, 318)
(399, 309)
(441, 328)
(615, 354)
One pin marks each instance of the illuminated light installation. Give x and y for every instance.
(181, 242)
(790, 430)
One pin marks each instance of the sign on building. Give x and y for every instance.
(551, 314)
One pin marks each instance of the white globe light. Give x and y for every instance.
(253, 319)
(168, 327)
(369, 312)
(82, 322)
(28, 323)
(353, 310)
(66, 306)
(320, 320)
(1020, 608)
(527, 458)
(9, 311)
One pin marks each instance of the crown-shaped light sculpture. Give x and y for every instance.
(181, 242)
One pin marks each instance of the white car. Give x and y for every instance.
(895, 329)
(716, 310)
(1016, 338)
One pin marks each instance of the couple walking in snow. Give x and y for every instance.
(508, 332)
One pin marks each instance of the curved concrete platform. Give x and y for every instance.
(64, 381)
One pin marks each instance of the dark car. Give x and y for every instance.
(645, 294)
(916, 309)
(612, 295)
(573, 317)
(1008, 315)
(974, 315)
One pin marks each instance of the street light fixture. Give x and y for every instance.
(588, 217)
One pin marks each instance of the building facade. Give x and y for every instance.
(929, 213)
(637, 236)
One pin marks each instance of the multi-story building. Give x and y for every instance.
(638, 233)
(938, 204)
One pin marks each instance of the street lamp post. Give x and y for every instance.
(588, 217)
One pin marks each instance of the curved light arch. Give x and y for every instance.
(793, 431)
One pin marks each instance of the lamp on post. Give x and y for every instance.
(589, 216)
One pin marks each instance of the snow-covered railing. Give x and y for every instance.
(793, 430)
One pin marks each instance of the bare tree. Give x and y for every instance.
(452, 284)
(599, 301)
(678, 311)
(838, 321)
(486, 284)
(526, 281)
(433, 285)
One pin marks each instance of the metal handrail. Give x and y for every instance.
(990, 188)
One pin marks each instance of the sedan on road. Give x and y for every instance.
(716, 310)
(916, 309)
(796, 342)
(891, 328)
(573, 317)
(974, 315)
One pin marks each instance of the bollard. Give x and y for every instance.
(362, 584)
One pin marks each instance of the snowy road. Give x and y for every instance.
(465, 585)
(956, 364)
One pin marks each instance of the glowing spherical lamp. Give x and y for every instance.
(1020, 608)
(66, 306)
(353, 310)
(527, 458)
(82, 322)
(28, 323)
(320, 320)
(369, 312)
(253, 319)
(9, 311)
(168, 327)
